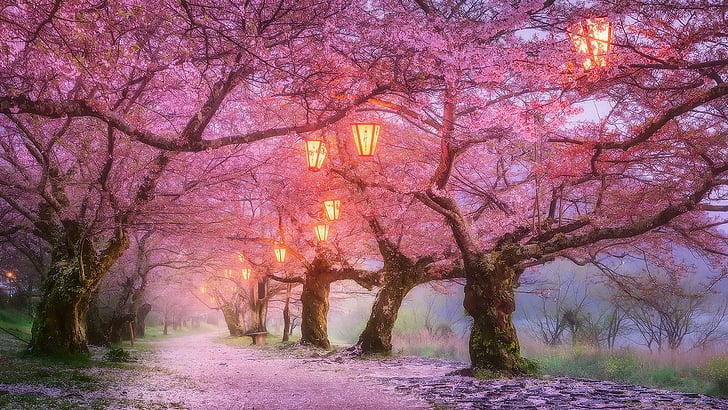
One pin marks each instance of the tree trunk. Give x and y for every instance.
(96, 330)
(60, 322)
(377, 335)
(232, 320)
(75, 272)
(141, 317)
(489, 299)
(315, 309)
(287, 315)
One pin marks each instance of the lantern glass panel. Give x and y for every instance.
(280, 254)
(315, 154)
(332, 208)
(366, 136)
(245, 272)
(322, 232)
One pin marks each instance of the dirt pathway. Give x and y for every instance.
(198, 372)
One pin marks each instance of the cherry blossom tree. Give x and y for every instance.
(489, 94)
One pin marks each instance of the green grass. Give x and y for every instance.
(68, 376)
(628, 367)
(15, 323)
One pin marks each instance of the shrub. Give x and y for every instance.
(621, 367)
(717, 372)
(118, 355)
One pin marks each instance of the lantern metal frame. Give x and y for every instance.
(366, 136)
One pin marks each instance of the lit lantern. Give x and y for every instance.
(228, 273)
(203, 290)
(365, 137)
(10, 274)
(332, 208)
(246, 269)
(280, 252)
(322, 231)
(315, 154)
(593, 38)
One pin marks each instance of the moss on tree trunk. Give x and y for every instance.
(489, 299)
(60, 322)
(377, 335)
(75, 271)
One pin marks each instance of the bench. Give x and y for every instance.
(258, 337)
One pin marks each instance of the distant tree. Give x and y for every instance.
(668, 309)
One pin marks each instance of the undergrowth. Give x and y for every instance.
(709, 378)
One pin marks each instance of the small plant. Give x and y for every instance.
(81, 377)
(620, 366)
(119, 355)
(530, 367)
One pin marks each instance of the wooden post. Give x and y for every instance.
(131, 333)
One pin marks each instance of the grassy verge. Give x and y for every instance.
(710, 376)
(63, 381)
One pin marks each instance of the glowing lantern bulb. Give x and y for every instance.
(332, 208)
(593, 38)
(366, 136)
(203, 290)
(280, 252)
(9, 274)
(315, 154)
(245, 272)
(322, 232)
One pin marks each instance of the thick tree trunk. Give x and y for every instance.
(232, 320)
(96, 330)
(258, 311)
(377, 335)
(60, 322)
(315, 309)
(75, 271)
(141, 317)
(489, 299)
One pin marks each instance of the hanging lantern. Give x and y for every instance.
(315, 154)
(365, 137)
(592, 37)
(203, 290)
(280, 252)
(331, 208)
(246, 269)
(10, 274)
(322, 231)
(228, 273)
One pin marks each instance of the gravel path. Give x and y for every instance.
(198, 372)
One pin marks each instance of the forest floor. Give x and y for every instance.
(209, 371)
